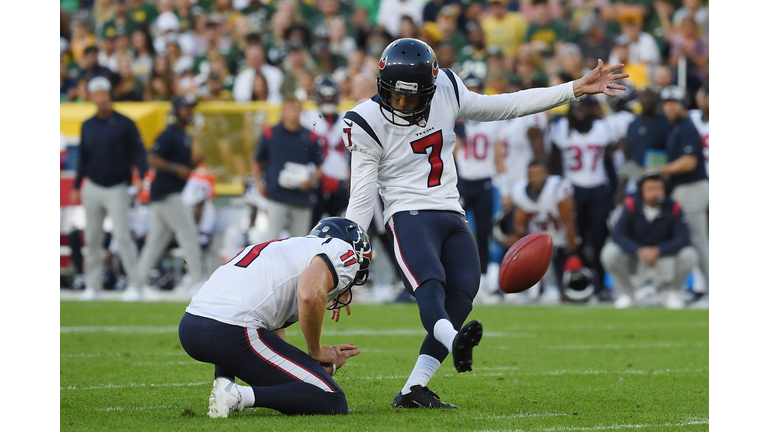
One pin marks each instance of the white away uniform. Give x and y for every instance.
(257, 288)
(543, 213)
(335, 155)
(703, 128)
(413, 166)
(518, 152)
(475, 160)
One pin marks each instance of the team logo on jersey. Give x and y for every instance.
(382, 63)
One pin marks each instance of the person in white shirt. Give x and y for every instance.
(391, 12)
(242, 89)
(238, 318)
(402, 142)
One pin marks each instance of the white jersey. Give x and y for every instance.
(517, 149)
(198, 190)
(257, 288)
(583, 154)
(335, 155)
(543, 213)
(475, 160)
(703, 128)
(413, 166)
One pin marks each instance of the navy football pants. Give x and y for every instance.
(593, 207)
(283, 377)
(477, 195)
(439, 263)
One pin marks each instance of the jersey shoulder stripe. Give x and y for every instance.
(357, 118)
(331, 268)
(451, 77)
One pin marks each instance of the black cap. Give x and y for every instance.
(91, 50)
(183, 101)
(648, 175)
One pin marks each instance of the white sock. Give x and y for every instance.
(249, 397)
(425, 368)
(445, 333)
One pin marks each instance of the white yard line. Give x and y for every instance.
(447, 375)
(605, 427)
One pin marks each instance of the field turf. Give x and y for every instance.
(566, 368)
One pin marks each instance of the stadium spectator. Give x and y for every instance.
(700, 118)
(128, 88)
(689, 43)
(642, 46)
(433, 8)
(327, 11)
(214, 89)
(108, 54)
(173, 162)
(687, 174)
(693, 9)
(472, 57)
(67, 84)
(283, 166)
(529, 68)
(638, 71)
(242, 90)
(503, 28)
(81, 39)
(143, 12)
(178, 61)
(569, 59)
(143, 54)
(448, 22)
(662, 77)
(90, 67)
(408, 28)
(545, 33)
(595, 42)
(651, 240)
(391, 13)
(160, 84)
(110, 145)
(121, 23)
(295, 64)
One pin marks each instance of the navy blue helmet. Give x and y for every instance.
(407, 67)
(326, 94)
(350, 232)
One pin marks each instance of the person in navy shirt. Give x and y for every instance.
(171, 157)
(286, 165)
(652, 235)
(688, 180)
(110, 146)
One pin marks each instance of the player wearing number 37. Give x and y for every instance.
(402, 141)
(238, 318)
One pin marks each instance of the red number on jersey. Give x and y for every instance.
(348, 131)
(472, 148)
(252, 254)
(349, 258)
(576, 155)
(420, 146)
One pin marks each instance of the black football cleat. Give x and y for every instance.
(469, 337)
(420, 397)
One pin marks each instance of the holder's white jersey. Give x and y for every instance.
(703, 128)
(335, 155)
(543, 213)
(413, 166)
(257, 288)
(517, 149)
(476, 158)
(583, 154)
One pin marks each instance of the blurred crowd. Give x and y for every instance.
(246, 50)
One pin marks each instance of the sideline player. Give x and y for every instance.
(332, 194)
(544, 203)
(238, 318)
(402, 141)
(476, 150)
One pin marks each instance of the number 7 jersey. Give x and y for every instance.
(413, 166)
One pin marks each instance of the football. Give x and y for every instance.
(525, 263)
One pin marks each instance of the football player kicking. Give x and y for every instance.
(402, 141)
(238, 318)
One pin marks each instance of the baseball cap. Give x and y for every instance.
(631, 17)
(447, 11)
(167, 21)
(672, 92)
(99, 83)
(91, 50)
(183, 101)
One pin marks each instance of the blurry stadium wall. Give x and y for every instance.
(226, 133)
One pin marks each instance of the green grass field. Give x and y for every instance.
(566, 368)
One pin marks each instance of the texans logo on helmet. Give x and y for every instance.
(382, 63)
(435, 69)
